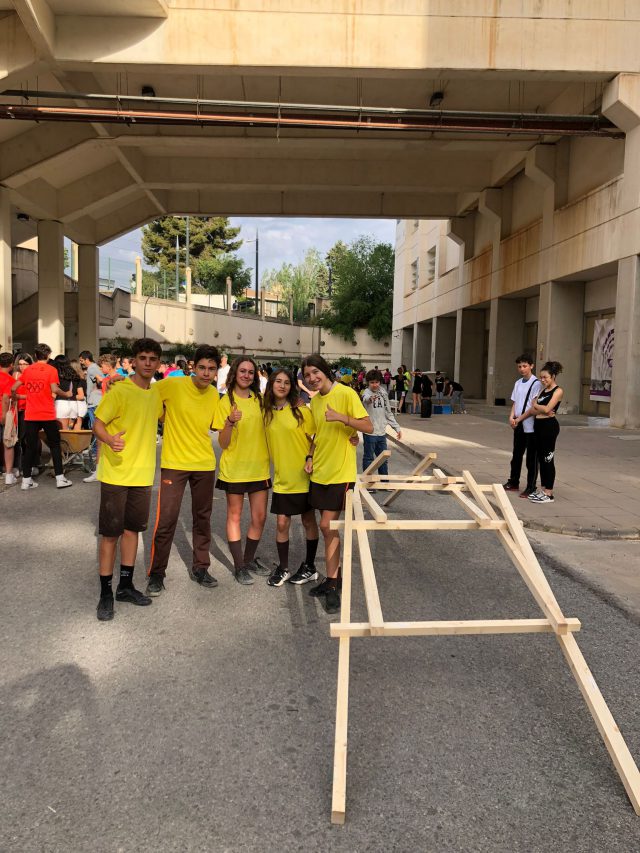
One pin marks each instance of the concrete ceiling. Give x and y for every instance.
(102, 180)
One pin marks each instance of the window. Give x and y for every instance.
(415, 273)
(431, 265)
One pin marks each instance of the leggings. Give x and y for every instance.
(52, 431)
(546, 432)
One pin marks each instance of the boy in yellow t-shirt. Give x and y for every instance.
(190, 404)
(126, 421)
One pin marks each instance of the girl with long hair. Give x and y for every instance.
(290, 428)
(244, 464)
(66, 408)
(339, 415)
(81, 394)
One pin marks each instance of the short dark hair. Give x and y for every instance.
(6, 359)
(317, 361)
(525, 358)
(553, 368)
(86, 354)
(42, 352)
(145, 345)
(373, 376)
(206, 351)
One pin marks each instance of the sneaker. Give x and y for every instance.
(542, 498)
(304, 574)
(258, 568)
(28, 484)
(322, 588)
(132, 596)
(511, 487)
(332, 601)
(63, 483)
(203, 577)
(104, 610)
(10, 479)
(92, 478)
(155, 586)
(243, 576)
(530, 490)
(278, 576)
(535, 496)
(35, 472)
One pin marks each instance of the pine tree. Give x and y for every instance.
(208, 236)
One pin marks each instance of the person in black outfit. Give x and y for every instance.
(524, 392)
(427, 386)
(439, 380)
(546, 429)
(416, 390)
(399, 380)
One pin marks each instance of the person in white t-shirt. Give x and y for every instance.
(223, 372)
(525, 391)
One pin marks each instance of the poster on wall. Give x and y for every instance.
(602, 361)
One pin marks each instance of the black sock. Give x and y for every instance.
(105, 584)
(312, 547)
(250, 548)
(236, 553)
(283, 554)
(126, 577)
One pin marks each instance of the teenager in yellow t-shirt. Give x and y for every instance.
(244, 464)
(290, 429)
(338, 414)
(190, 403)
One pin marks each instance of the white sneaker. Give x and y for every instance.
(10, 479)
(62, 482)
(92, 478)
(27, 484)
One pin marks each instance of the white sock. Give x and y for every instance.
(27, 480)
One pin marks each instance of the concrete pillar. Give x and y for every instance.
(443, 345)
(470, 362)
(73, 261)
(51, 285)
(406, 353)
(6, 304)
(263, 303)
(88, 298)
(560, 330)
(139, 278)
(291, 310)
(229, 295)
(490, 205)
(506, 339)
(625, 382)
(188, 285)
(621, 104)
(422, 336)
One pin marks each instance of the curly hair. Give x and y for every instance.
(293, 397)
(553, 368)
(231, 379)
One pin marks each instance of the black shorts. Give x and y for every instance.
(123, 508)
(245, 488)
(290, 504)
(331, 497)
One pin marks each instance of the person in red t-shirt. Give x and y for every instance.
(41, 382)
(6, 386)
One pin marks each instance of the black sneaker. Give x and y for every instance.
(132, 596)
(203, 577)
(322, 588)
(511, 487)
(258, 568)
(155, 586)
(332, 601)
(104, 609)
(304, 574)
(278, 576)
(243, 576)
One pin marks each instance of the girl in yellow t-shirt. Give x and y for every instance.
(290, 428)
(244, 464)
(339, 415)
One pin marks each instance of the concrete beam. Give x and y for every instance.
(22, 157)
(625, 383)
(40, 24)
(123, 220)
(18, 57)
(88, 194)
(621, 101)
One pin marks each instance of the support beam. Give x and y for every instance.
(88, 298)
(6, 301)
(420, 468)
(51, 285)
(451, 628)
(372, 598)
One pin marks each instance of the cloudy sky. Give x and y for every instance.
(281, 240)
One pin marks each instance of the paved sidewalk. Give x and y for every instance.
(597, 491)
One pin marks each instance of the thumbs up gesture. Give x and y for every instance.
(117, 442)
(332, 415)
(235, 414)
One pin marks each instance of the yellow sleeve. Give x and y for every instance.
(109, 407)
(216, 407)
(222, 413)
(356, 409)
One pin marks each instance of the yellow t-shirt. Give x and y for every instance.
(288, 446)
(246, 459)
(128, 407)
(186, 443)
(334, 458)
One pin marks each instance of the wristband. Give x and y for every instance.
(229, 423)
(308, 456)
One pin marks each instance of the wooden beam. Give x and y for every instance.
(451, 628)
(424, 524)
(407, 478)
(478, 495)
(372, 598)
(377, 462)
(373, 506)
(420, 468)
(468, 505)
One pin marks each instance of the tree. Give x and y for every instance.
(302, 282)
(362, 277)
(211, 273)
(207, 236)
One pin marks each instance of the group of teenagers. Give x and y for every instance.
(311, 448)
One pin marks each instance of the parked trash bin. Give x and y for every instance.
(425, 408)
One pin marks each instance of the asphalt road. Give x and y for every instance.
(205, 722)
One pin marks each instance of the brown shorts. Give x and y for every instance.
(123, 508)
(290, 504)
(331, 497)
(245, 488)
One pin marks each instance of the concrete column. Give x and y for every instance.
(422, 338)
(443, 345)
(291, 310)
(139, 278)
(625, 383)
(470, 367)
(506, 336)
(88, 298)
(6, 304)
(229, 295)
(263, 303)
(407, 348)
(490, 206)
(560, 330)
(188, 285)
(73, 261)
(621, 104)
(51, 285)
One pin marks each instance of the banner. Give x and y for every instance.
(602, 361)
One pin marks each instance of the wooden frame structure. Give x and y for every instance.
(488, 508)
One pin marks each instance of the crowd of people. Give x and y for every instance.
(304, 424)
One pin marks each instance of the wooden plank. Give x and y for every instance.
(379, 515)
(451, 628)
(374, 611)
(420, 468)
(609, 731)
(377, 462)
(468, 505)
(339, 794)
(478, 495)
(424, 524)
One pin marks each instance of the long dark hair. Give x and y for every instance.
(65, 370)
(293, 397)
(317, 361)
(231, 379)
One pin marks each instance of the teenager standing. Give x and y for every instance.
(290, 428)
(546, 429)
(338, 415)
(524, 392)
(244, 464)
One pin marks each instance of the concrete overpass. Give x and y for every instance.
(102, 175)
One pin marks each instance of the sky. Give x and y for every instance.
(281, 240)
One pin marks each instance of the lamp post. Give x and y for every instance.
(144, 317)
